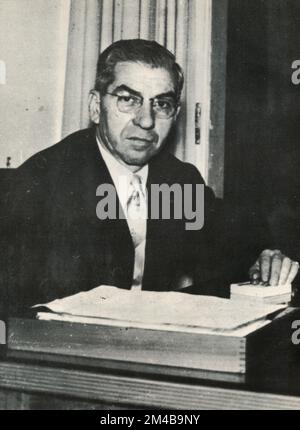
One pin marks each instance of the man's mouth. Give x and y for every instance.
(141, 139)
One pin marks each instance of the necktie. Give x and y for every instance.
(137, 211)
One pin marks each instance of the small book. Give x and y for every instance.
(281, 294)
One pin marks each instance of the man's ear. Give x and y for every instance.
(94, 106)
(178, 109)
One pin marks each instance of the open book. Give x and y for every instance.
(160, 310)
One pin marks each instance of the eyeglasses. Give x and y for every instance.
(163, 107)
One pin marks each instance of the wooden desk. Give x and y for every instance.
(53, 381)
(35, 386)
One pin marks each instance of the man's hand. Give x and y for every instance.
(273, 268)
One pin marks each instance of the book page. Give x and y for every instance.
(260, 291)
(237, 332)
(169, 308)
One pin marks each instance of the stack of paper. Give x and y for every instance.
(106, 304)
(280, 294)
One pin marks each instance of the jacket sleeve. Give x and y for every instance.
(23, 239)
(226, 246)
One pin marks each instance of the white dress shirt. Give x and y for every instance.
(122, 178)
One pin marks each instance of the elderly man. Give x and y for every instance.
(64, 242)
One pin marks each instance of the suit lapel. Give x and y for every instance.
(110, 238)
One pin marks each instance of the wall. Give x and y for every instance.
(31, 100)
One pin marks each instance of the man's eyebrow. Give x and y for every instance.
(127, 89)
(170, 94)
(123, 87)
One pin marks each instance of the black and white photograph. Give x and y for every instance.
(149, 207)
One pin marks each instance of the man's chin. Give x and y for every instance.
(138, 159)
(137, 162)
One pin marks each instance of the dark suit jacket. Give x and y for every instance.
(58, 246)
(282, 207)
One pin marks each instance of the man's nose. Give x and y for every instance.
(145, 117)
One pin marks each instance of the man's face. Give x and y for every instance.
(136, 136)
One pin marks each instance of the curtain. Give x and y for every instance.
(83, 49)
(183, 26)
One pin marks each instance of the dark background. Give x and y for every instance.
(262, 117)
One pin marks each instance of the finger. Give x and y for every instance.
(275, 268)
(265, 264)
(293, 272)
(254, 273)
(255, 279)
(285, 270)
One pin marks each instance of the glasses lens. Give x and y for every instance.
(164, 108)
(128, 103)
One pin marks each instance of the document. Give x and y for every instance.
(158, 309)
